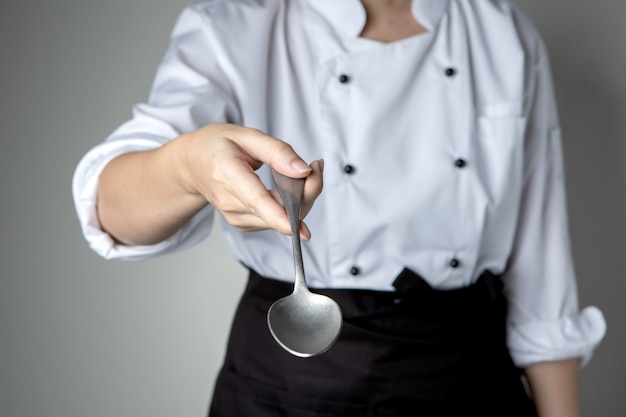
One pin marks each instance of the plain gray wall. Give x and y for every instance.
(84, 337)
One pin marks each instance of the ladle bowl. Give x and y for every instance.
(305, 324)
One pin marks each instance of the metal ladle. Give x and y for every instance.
(305, 324)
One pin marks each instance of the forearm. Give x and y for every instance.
(141, 199)
(554, 387)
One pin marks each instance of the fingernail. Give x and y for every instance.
(300, 166)
(305, 229)
(322, 165)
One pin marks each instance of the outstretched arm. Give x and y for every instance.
(144, 197)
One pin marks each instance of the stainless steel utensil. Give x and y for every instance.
(304, 323)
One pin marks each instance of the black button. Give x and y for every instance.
(455, 263)
(343, 78)
(348, 169)
(355, 271)
(460, 163)
(450, 71)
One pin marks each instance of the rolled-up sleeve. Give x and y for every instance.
(189, 91)
(545, 322)
(84, 188)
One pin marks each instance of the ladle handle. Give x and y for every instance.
(290, 190)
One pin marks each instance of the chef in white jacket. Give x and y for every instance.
(432, 129)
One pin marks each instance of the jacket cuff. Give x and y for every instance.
(84, 189)
(575, 335)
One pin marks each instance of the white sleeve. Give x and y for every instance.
(544, 319)
(189, 91)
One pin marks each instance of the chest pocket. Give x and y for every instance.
(499, 147)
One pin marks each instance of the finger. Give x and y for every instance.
(257, 200)
(271, 151)
(305, 233)
(247, 222)
(238, 215)
(313, 186)
(244, 214)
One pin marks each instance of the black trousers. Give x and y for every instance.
(415, 351)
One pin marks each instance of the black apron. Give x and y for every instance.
(415, 351)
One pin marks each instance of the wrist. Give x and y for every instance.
(181, 162)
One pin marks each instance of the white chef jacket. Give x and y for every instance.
(442, 151)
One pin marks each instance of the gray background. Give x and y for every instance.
(84, 337)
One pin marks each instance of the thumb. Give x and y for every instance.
(273, 152)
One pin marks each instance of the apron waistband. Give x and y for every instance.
(413, 293)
